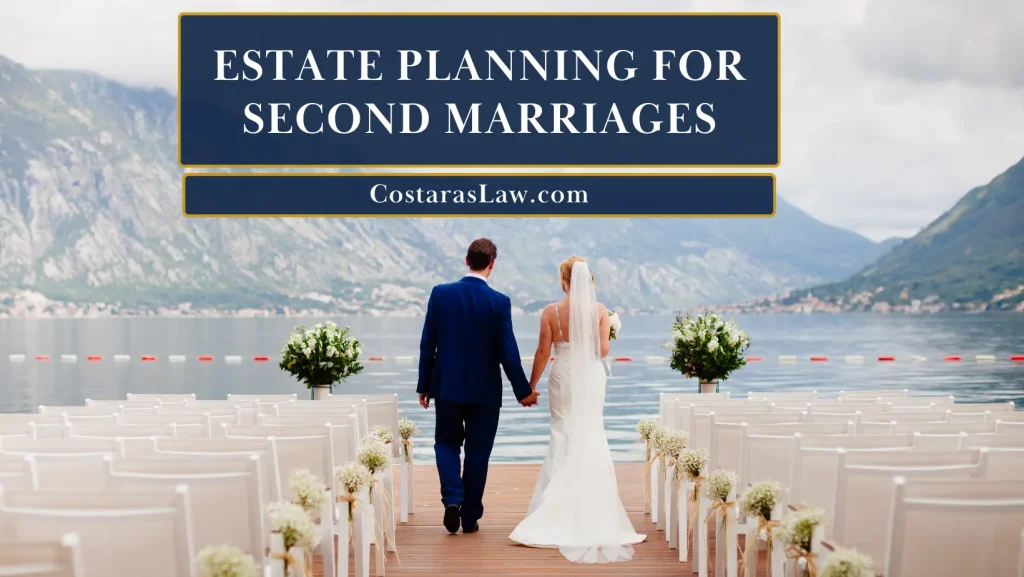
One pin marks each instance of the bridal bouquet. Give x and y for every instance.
(321, 356)
(707, 347)
(225, 561)
(616, 325)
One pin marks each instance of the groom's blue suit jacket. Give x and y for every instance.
(467, 339)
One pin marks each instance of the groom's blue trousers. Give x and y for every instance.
(462, 484)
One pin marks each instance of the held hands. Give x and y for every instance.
(530, 400)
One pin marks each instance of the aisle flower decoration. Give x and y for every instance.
(382, 433)
(321, 356)
(646, 427)
(692, 463)
(671, 445)
(796, 531)
(707, 347)
(758, 501)
(374, 455)
(309, 491)
(719, 484)
(297, 529)
(616, 325)
(225, 561)
(352, 477)
(407, 429)
(847, 563)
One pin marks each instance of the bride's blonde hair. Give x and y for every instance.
(565, 270)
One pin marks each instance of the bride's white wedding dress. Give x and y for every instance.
(576, 506)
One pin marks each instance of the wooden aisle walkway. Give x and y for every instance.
(426, 548)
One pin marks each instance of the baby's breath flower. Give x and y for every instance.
(294, 524)
(310, 492)
(797, 528)
(383, 433)
(407, 429)
(225, 561)
(671, 443)
(693, 462)
(720, 483)
(847, 563)
(374, 455)
(352, 477)
(759, 499)
(646, 426)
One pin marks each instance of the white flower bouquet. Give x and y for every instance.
(760, 498)
(309, 491)
(616, 325)
(707, 347)
(407, 429)
(352, 477)
(321, 356)
(295, 526)
(382, 433)
(720, 483)
(646, 426)
(374, 455)
(797, 528)
(847, 563)
(225, 561)
(693, 462)
(672, 443)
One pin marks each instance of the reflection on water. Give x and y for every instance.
(632, 390)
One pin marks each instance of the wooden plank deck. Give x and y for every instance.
(426, 548)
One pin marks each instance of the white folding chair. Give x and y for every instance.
(875, 394)
(201, 449)
(667, 405)
(19, 418)
(15, 473)
(944, 428)
(921, 401)
(954, 528)
(121, 533)
(269, 397)
(1008, 427)
(994, 441)
(79, 410)
(1003, 462)
(67, 472)
(863, 499)
(23, 446)
(162, 397)
(780, 397)
(225, 495)
(50, 558)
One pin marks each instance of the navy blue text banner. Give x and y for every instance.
(451, 90)
(394, 194)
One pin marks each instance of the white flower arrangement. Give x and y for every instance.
(616, 325)
(225, 561)
(671, 443)
(760, 498)
(309, 490)
(847, 563)
(374, 455)
(407, 429)
(720, 483)
(383, 433)
(295, 525)
(693, 462)
(321, 356)
(797, 528)
(646, 427)
(352, 477)
(707, 347)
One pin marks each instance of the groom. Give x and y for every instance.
(467, 335)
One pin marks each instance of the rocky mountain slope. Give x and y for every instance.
(90, 211)
(971, 257)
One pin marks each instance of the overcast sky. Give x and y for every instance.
(892, 109)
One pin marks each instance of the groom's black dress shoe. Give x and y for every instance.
(471, 529)
(451, 518)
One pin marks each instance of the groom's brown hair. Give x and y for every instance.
(481, 254)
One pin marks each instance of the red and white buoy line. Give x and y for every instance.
(238, 359)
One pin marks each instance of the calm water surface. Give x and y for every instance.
(632, 389)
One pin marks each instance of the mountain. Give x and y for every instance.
(971, 257)
(90, 213)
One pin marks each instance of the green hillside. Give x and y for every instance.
(972, 257)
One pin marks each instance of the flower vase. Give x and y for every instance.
(708, 385)
(320, 392)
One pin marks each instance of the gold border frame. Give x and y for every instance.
(186, 175)
(778, 19)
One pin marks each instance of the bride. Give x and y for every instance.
(576, 506)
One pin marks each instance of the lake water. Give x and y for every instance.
(632, 389)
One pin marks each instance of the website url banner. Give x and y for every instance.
(441, 195)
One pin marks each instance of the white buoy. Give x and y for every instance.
(854, 358)
(654, 360)
(404, 359)
(984, 358)
(69, 358)
(918, 358)
(176, 358)
(16, 358)
(233, 359)
(122, 358)
(787, 358)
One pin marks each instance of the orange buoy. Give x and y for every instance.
(623, 359)
(42, 357)
(94, 358)
(205, 358)
(1017, 358)
(148, 358)
(886, 358)
(376, 358)
(819, 359)
(754, 359)
(951, 358)
(261, 358)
